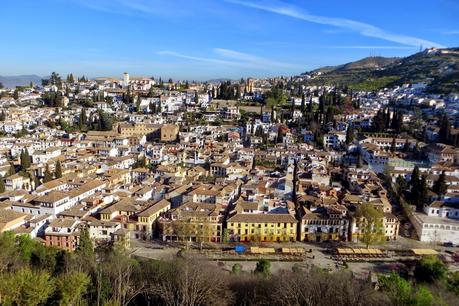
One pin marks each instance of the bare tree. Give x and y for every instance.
(191, 282)
(317, 288)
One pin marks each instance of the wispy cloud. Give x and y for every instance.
(133, 7)
(374, 47)
(451, 32)
(364, 29)
(252, 59)
(231, 58)
(196, 58)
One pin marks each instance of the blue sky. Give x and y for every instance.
(205, 39)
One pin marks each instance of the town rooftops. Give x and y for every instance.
(153, 209)
(53, 196)
(7, 216)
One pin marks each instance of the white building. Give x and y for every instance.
(439, 223)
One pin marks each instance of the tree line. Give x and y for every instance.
(32, 274)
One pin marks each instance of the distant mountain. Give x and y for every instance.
(216, 81)
(19, 80)
(439, 68)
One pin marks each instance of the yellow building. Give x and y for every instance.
(147, 218)
(200, 222)
(138, 129)
(262, 227)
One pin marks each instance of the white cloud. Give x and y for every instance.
(251, 59)
(196, 58)
(134, 7)
(364, 29)
(231, 58)
(375, 47)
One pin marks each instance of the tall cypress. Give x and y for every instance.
(58, 170)
(303, 102)
(440, 187)
(445, 130)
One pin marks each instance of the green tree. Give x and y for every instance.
(430, 269)
(85, 247)
(58, 170)
(72, 287)
(440, 187)
(418, 189)
(36, 181)
(275, 98)
(151, 92)
(423, 297)
(25, 159)
(82, 120)
(397, 288)
(70, 79)
(401, 185)
(379, 121)
(453, 282)
(47, 176)
(422, 194)
(445, 130)
(393, 146)
(2, 185)
(25, 287)
(263, 267)
(303, 103)
(16, 94)
(2, 116)
(349, 135)
(236, 269)
(105, 122)
(11, 170)
(25, 247)
(137, 104)
(370, 223)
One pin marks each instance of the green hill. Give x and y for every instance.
(439, 68)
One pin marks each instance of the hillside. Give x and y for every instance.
(437, 67)
(19, 80)
(373, 62)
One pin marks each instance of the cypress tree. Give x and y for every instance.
(25, 159)
(11, 170)
(423, 194)
(445, 130)
(58, 170)
(16, 94)
(393, 145)
(406, 146)
(303, 102)
(47, 175)
(36, 181)
(349, 135)
(2, 185)
(414, 182)
(82, 122)
(85, 247)
(440, 187)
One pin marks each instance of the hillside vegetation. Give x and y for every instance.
(439, 68)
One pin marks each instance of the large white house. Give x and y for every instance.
(439, 223)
